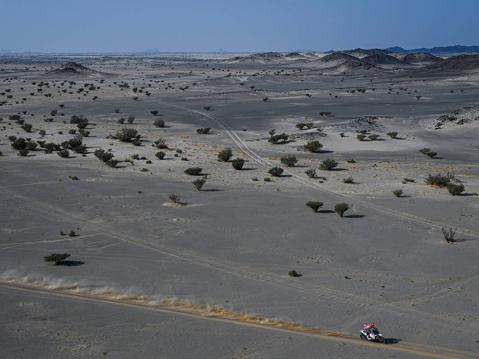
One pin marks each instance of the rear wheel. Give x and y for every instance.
(363, 337)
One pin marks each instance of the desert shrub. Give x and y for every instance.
(428, 152)
(278, 139)
(112, 163)
(328, 164)
(313, 146)
(42, 133)
(289, 160)
(79, 149)
(50, 147)
(83, 132)
(175, 198)
(72, 131)
(121, 121)
(193, 171)
(314, 205)
(136, 141)
(361, 137)
(203, 131)
(131, 119)
(199, 183)
(393, 134)
(225, 154)
(19, 143)
(449, 234)
(238, 163)
(161, 144)
(438, 180)
(103, 155)
(14, 118)
(160, 155)
(12, 138)
(341, 208)
(311, 173)
(31, 145)
(398, 192)
(126, 134)
(63, 153)
(276, 171)
(23, 153)
(348, 180)
(373, 137)
(73, 142)
(305, 126)
(56, 258)
(455, 189)
(293, 273)
(159, 123)
(154, 112)
(27, 127)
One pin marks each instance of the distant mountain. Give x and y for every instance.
(381, 59)
(455, 49)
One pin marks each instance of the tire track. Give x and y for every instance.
(222, 315)
(243, 147)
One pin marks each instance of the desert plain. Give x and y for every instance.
(94, 151)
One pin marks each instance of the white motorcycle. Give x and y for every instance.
(371, 333)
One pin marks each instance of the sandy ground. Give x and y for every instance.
(232, 244)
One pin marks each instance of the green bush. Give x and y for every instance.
(23, 153)
(203, 131)
(225, 154)
(238, 163)
(393, 134)
(103, 155)
(56, 258)
(449, 234)
(313, 146)
(455, 189)
(328, 165)
(193, 171)
(311, 173)
(428, 152)
(276, 171)
(27, 127)
(305, 126)
(341, 208)
(278, 139)
(63, 153)
(361, 137)
(199, 183)
(398, 192)
(160, 155)
(126, 134)
(159, 123)
(314, 205)
(438, 180)
(373, 137)
(293, 273)
(161, 144)
(289, 160)
(348, 180)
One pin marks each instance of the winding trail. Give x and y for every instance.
(228, 316)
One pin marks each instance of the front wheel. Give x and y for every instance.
(380, 339)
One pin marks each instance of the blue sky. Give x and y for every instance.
(241, 25)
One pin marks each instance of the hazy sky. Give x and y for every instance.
(240, 25)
